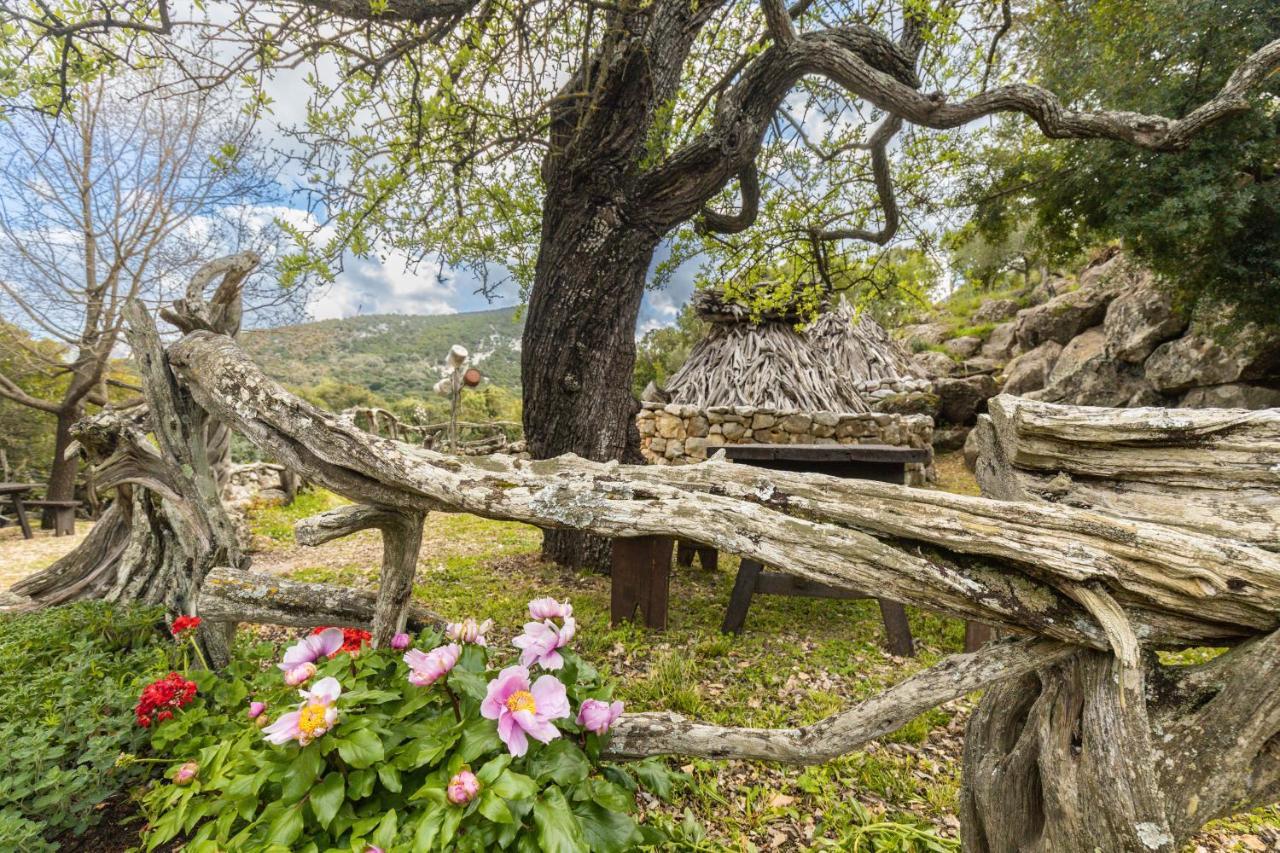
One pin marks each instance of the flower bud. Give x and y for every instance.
(186, 774)
(299, 674)
(463, 787)
(400, 641)
(596, 716)
(262, 721)
(256, 709)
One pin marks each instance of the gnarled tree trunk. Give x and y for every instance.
(167, 527)
(579, 348)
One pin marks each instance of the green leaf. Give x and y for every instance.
(327, 797)
(606, 830)
(514, 786)
(611, 796)
(390, 777)
(385, 835)
(493, 769)
(478, 737)
(362, 748)
(286, 827)
(558, 827)
(303, 772)
(494, 807)
(560, 761)
(468, 683)
(655, 776)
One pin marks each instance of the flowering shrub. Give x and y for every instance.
(446, 744)
(162, 697)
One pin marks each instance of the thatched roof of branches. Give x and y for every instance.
(767, 362)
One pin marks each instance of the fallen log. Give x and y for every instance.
(231, 595)
(1215, 471)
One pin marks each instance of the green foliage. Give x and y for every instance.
(276, 522)
(1207, 218)
(379, 776)
(69, 677)
(662, 351)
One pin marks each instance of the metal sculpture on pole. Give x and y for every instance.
(460, 376)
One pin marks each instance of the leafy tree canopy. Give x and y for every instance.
(1207, 217)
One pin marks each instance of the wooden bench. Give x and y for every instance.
(642, 565)
(64, 515)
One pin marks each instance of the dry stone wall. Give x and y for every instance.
(674, 434)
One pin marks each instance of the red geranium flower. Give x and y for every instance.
(161, 696)
(183, 624)
(352, 639)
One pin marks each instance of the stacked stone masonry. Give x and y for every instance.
(674, 434)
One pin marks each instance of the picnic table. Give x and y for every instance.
(642, 565)
(14, 492)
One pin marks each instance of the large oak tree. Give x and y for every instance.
(564, 141)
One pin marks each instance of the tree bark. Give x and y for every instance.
(62, 474)
(578, 350)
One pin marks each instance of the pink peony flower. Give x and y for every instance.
(541, 640)
(372, 849)
(300, 674)
(463, 787)
(549, 608)
(306, 652)
(400, 641)
(598, 717)
(256, 709)
(468, 631)
(315, 715)
(425, 668)
(186, 774)
(522, 710)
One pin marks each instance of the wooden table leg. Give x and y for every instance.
(740, 600)
(684, 553)
(897, 630)
(641, 579)
(22, 516)
(976, 635)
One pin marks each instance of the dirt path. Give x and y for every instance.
(21, 557)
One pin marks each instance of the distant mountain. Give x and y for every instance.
(394, 355)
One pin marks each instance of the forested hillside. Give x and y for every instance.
(392, 355)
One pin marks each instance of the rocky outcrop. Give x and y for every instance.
(1002, 343)
(1140, 320)
(1112, 338)
(995, 310)
(1030, 371)
(963, 347)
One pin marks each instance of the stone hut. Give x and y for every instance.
(770, 382)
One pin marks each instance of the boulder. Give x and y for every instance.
(960, 400)
(995, 310)
(1139, 320)
(950, 438)
(1030, 371)
(1200, 359)
(913, 403)
(972, 446)
(935, 363)
(1235, 395)
(1002, 342)
(926, 333)
(1063, 317)
(1077, 353)
(964, 346)
(1095, 381)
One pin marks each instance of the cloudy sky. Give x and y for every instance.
(375, 286)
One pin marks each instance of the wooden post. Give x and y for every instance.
(976, 635)
(740, 600)
(641, 579)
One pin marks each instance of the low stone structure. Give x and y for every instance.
(679, 434)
